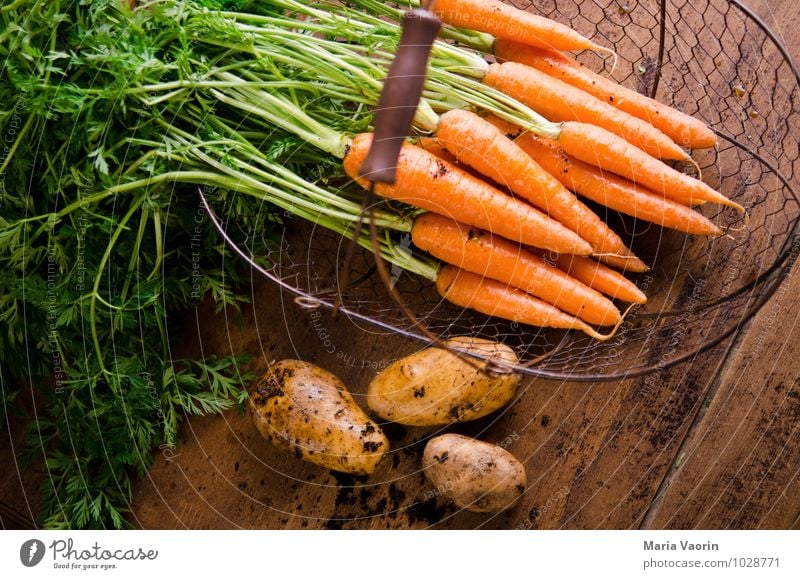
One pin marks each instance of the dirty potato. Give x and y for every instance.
(476, 476)
(308, 410)
(435, 386)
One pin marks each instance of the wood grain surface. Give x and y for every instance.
(712, 443)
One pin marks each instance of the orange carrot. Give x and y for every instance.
(430, 183)
(685, 130)
(488, 255)
(598, 147)
(505, 21)
(490, 297)
(561, 102)
(597, 276)
(612, 191)
(484, 147)
(432, 145)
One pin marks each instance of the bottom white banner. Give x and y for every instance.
(389, 554)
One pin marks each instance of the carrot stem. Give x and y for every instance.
(427, 182)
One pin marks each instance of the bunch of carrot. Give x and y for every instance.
(608, 147)
(515, 146)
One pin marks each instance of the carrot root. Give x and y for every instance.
(598, 277)
(502, 20)
(696, 166)
(591, 332)
(623, 262)
(612, 52)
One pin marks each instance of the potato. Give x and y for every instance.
(476, 476)
(308, 410)
(435, 386)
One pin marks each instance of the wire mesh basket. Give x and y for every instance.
(713, 59)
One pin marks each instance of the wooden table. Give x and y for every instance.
(712, 444)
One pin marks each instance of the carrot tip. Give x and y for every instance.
(730, 230)
(741, 210)
(696, 166)
(611, 51)
(592, 333)
(641, 298)
(720, 199)
(617, 255)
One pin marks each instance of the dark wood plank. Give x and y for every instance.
(740, 466)
(605, 458)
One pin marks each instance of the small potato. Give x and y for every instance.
(477, 476)
(308, 410)
(434, 386)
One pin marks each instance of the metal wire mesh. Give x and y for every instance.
(710, 58)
